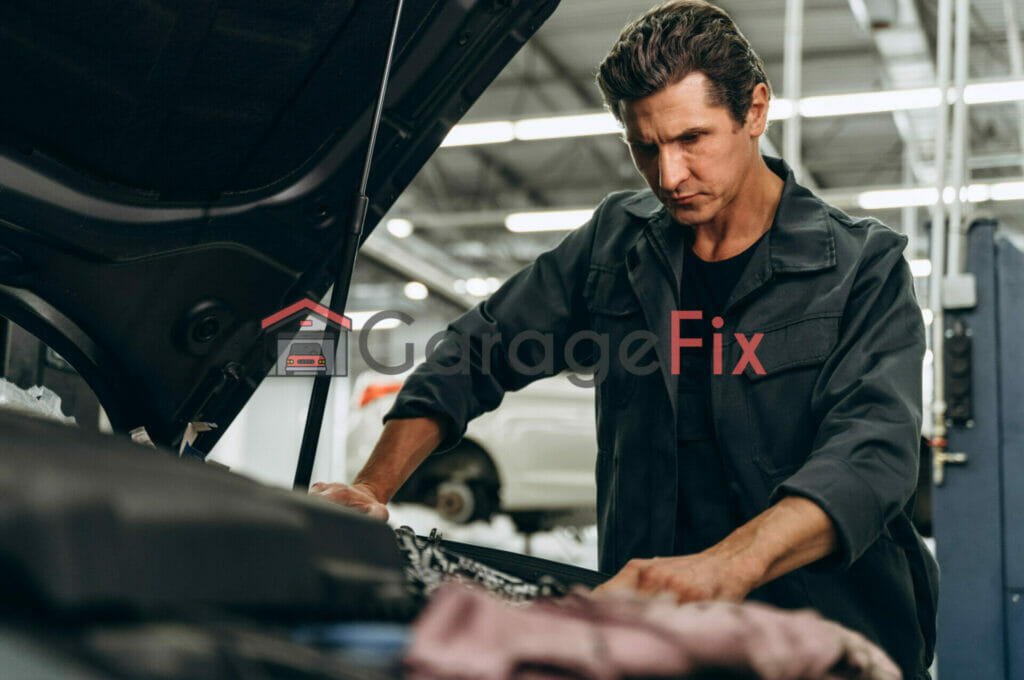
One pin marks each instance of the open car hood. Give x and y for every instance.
(172, 173)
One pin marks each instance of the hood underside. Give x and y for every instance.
(173, 172)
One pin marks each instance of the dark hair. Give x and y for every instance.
(673, 40)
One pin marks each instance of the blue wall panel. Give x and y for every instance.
(1010, 280)
(968, 515)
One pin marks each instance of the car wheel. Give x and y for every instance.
(462, 485)
(463, 501)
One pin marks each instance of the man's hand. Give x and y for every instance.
(786, 536)
(402, 446)
(704, 576)
(358, 496)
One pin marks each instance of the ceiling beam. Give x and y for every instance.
(509, 175)
(586, 94)
(902, 43)
(845, 198)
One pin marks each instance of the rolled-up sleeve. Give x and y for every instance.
(862, 469)
(545, 298)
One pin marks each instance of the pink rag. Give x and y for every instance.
(467, 634)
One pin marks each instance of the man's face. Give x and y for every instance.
(695, 157)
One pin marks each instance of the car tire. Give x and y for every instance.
(462, 501)
(461, 484)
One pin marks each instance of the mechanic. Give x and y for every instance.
(765, 448)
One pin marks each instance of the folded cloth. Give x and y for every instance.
(467, 634)
(429, 565)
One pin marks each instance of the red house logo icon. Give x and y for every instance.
(307, 339)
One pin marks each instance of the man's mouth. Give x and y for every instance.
(682, 200)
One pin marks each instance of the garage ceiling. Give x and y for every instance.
(458, 201)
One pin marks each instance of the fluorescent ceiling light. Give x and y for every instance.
(559, 127)
(494, 132)
(477, 287)
(1006, 191)
(780, 109)
(928, 315)
(897, 198)
(921, 268)
(400, 228)
(991, 93)
(530, 129)
(359, 320)
(924, 196)
(552, 220)
(976, 193)
(414, 290)
(847, 104)
(567, 126)
(870, 102)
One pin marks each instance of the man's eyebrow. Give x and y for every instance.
(698, 129)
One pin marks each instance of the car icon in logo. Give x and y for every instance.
(305, 358)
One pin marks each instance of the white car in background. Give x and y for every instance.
(532, 458)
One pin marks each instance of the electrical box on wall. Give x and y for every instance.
(958, 355)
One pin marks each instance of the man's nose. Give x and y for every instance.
(673, 169)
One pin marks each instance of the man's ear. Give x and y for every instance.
(757, 114)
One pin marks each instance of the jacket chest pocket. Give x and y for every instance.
(805, 342)
(609, 293)
(615, 312)
(779, 376)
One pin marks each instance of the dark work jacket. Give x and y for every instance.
(836, 416)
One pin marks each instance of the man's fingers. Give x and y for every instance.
(653, 578)
(321, 489)
(355, 498)
(377, 511)
(687, 578)
(626, 579)
(339, 493)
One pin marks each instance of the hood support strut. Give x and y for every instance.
(339, 294)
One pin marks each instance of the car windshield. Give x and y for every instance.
(306, 348)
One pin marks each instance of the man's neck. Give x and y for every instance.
(748, 217)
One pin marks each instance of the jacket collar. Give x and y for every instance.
(801, 238)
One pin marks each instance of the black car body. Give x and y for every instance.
(173, 172)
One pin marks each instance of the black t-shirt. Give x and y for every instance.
(708, 509)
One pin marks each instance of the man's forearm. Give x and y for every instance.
(404, 444)
(786, 536)
(790, 534)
